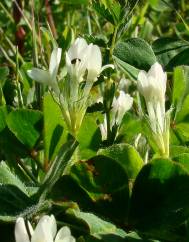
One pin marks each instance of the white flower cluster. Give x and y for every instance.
(152, 85)
(45, 231)
(83, 64)
(120, 106)
(81, 57)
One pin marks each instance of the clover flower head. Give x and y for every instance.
(45, 231)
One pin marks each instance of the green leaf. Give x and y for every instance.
(25, 125)
(166, 49)
(126, 156)
(131, 126)
(180, 101)
(89, 136)
(183, 113)
(131, 71)
(183, 159)
(3, 114)
(116, 11)
(99, 40)
(183, 129)
(160, 197)
(180, 86)
(131, 237)
(176, 150)
(57, 168)
(180, 125)
(75, 2)
(95, 226)
(67, 188)
(11, 148)
(67, 38)
(179, 59)
(103, 11)
(135, 52)
(7, 177)
(161, 6)
(27, 83)
(55, 133)
(4, 71)
(12, 202)
(134, 237)
(105, 182)
(146, 30)
(13, 194)
(49, 37)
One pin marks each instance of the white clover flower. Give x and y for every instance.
(152, 85)
(103, 129)
(120, 106)
(124, 84)
(45, 231)
(84, 64)
(82, 57)
(48, 77)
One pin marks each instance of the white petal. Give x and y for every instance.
(122, 104)
(62, 233)
(76, 58)
(160, 116)
(128, 102)
(99, 100)
(76, 50)
(124, 84)
(152, 116)
(39, 75)
(52, 224)
(30, 228)
(159, 77)
(155, 70)
(107, 66)
(21, 234)
(54, 62)
(68, 60)
(103, 130)
(142, 82)
(43, 231)
(94, 61)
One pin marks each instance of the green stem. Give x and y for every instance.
(35, 58)
(12, 46)
(57, 168)
(73, 160)
(89, 23)
(20, 99)
(8, 58)
(113, 40)
(108, 125)
(23, 15)
(27, 171)
(7, 12)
